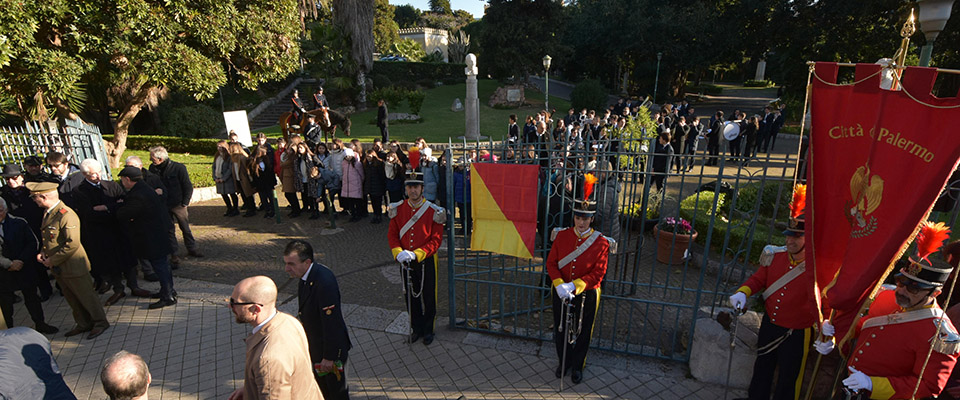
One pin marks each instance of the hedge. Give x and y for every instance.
(409, 71)
(699, 214)
(173, 144)
(707, 89)
(756, 83)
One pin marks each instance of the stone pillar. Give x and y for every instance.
(472, 102)
(761, 70)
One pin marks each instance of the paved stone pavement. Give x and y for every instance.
(195, 350)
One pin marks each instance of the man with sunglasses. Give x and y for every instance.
(892, 347)
(278, 357)
(790, 296)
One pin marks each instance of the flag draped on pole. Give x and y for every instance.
(504, 208)
(878, 160)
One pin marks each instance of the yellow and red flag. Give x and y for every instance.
(504, 207)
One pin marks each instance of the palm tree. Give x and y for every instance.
(355, 18)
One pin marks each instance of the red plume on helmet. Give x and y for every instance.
(799, 203)
(588, 181)
(931, 237)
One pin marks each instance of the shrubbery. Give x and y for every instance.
(415, 71)
(708, 89)
(756, 83)
(395, 95)
(700, 213)
(196, 121)
(589, 94)
(173, 144)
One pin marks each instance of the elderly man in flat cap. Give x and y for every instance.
(62, 252)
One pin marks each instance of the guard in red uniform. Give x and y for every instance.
(416, 230)
(792, 311)
(891, 348)
(576, 264)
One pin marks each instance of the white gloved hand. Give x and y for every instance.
(738, 300)
(571, 290)
(826, 328)
(766, 257)
(858, 381)
(406, 256)
(824, 347)
(563, 292)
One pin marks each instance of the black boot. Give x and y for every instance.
(315, 214)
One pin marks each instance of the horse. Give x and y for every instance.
(336, 118)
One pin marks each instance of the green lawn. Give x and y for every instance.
(439, 123)
(198, 165)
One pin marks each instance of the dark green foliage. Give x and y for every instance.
(406, 16)
(698, 208)
(392, 95)
(415, 99)
(441, 6)
(414, 71)
(427, 83)
(756, 83)
(516, 34)
(195, 121)
(381, 81)
(173, 144)
(707, 89)
(384, 26)
(589, 94)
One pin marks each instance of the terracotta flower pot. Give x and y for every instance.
(669, 250)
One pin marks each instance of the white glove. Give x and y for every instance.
(858, 381)
(406, 256)
(738, 300)
(824, 347)
(766, 257)
(826, 328)
(565, 291)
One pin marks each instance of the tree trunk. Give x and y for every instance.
(362, 95)
(118, 145)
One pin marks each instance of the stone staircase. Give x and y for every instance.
(270, 116)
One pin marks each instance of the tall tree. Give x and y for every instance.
(406, 16)
(139, 48)
(516, 34)
(355, 19)
(385, 28)
(441, 6)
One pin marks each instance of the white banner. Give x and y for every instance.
(236, 121)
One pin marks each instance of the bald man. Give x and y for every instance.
(278, 357)
(125, 376)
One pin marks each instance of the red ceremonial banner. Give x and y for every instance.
(878, 160)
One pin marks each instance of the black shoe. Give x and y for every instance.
(576, 376)
(44, 297)
(315, 215)
(162, 303)
(17, 299)
(229, 211)
(95, 332)
(195, 253)
(375, 220)
(151, 277)
(269, 214)
(42, 327)
(414, 337)
(250, 213)
(156, 295)
(427, 339)
(565, 371)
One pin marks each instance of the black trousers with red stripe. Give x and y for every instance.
(577, 352)
(423, 314)
(787, 361)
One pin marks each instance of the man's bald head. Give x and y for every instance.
(257, 289)
(125, 376)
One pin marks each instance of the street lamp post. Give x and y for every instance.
(657, 79)
(546, 84)
(933, 17)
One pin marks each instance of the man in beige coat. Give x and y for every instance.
(62, 252)
(278, 357)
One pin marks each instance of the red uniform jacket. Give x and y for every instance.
(793, 306)
(423, 238)
(892, 355)
(587, 270)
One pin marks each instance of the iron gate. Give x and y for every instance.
(78, 141)
(647, 307)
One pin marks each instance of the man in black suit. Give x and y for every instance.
(145, 219)
(18, 269)
(513, 132)
(67, 175)
(766, 127)
(382, 122)
(179, 192)
(322, 318)
(21, 205)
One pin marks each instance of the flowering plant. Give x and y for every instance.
(678, 226)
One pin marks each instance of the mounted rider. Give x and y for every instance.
(321, 101)
(297, 111)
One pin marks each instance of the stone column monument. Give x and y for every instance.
(761, 70)
(472, 103)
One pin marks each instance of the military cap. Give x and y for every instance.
(42, 187)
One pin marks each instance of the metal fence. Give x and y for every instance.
(647, 307)
(78, 141)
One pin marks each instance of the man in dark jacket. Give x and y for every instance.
(143, 217)
(713, 137)
(322, 318)
(107, 247)
(18, 269)
(67, 176)
(155, 183)
(21, 205)
(382, 122)
(662, 156)
(179, 192)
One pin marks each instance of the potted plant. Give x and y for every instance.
(673, 239)
(648, 218)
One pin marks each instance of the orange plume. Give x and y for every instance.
(931, 237)
(588, 181)
(799, 202)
